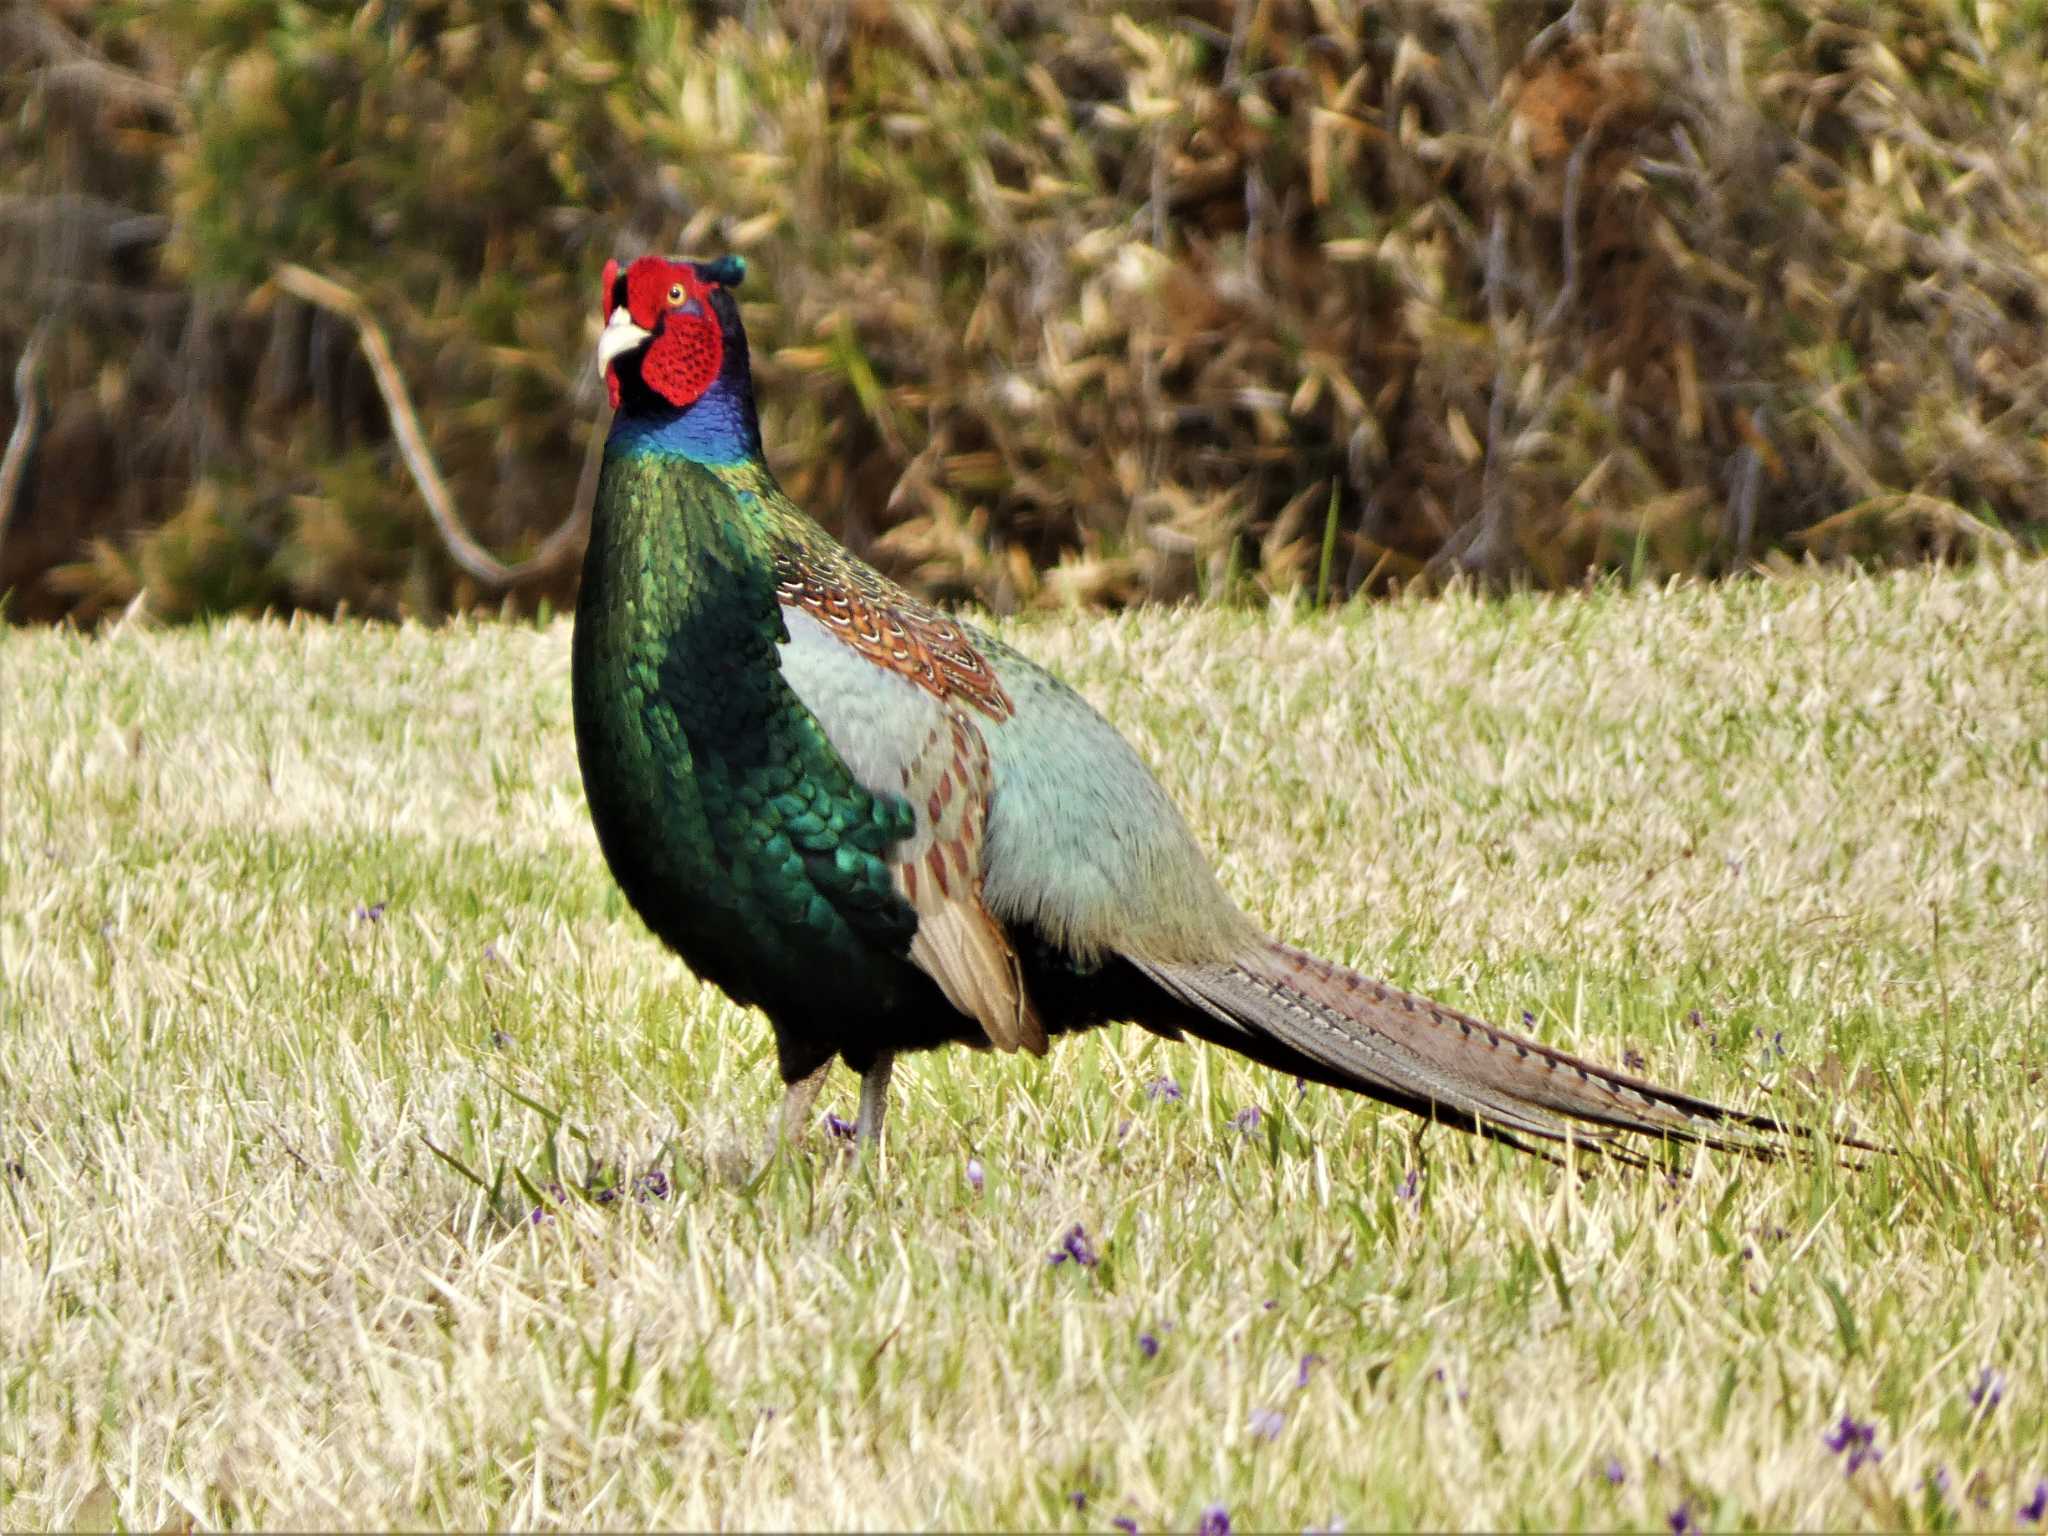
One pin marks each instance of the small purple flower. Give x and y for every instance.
(975, 1177)
(1681, 1521)
(1615, 1473)
(1266, 1423)
(1078, 1499)
(374, 913)
(1246, 1119)
(651, 1185)
(1126, 1524)
(1937, 1482)
(1215, 1522)
(1075, 1246)
(1300, 1089)
(1148, 1345)
(2036, 1508)
(1409, 1187)
(1634, 1059)
(1308, 1363)
(1163, 1088)
(543, 1216)
(1269, 1305)
(1855, 1438)
(1989, 1391)
(843, 1130)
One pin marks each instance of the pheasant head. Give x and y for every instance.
(674, 357)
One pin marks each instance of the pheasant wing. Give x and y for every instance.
(938, 870)
(897, 689)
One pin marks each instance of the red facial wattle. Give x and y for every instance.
(684, 359)
(670, 300)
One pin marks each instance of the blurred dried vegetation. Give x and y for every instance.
(1050, 302)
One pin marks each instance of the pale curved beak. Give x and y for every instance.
(619, 336)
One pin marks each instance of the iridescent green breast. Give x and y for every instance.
(733, 827)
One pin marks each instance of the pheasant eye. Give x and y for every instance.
(676, 294)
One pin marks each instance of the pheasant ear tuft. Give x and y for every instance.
(726, 271)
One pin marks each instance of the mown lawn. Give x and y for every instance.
(367, 1164)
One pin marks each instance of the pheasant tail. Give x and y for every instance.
(1299, 1013)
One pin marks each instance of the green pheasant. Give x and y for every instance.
(889, 831)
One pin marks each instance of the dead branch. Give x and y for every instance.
(1574, 179)
(1570, 25)
(28, 412)
(111, 226)
(1487, 553)
(556, 550)
(67, 57)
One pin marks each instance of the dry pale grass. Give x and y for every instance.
(289, 908)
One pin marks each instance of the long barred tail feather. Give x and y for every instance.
(1291, 1010)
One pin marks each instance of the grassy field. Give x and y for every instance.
(367, 1164)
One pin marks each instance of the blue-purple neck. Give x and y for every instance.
(719, 428)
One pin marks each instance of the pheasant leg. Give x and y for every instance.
(798, 1100)
(874, 1099)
